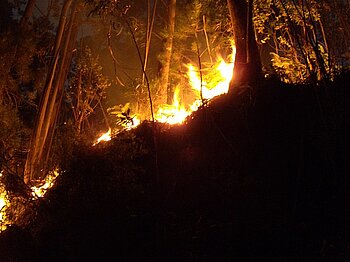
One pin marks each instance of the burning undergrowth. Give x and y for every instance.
(205, 85)
(18, 200)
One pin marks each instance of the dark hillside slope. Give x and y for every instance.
(260, 176)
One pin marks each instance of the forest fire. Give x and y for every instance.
(4, 203)
(172, 114)
(39, 191)
(104, 137)
(221, 74)
(36, 192)
(211, 85)
(133, 123)
(224, 70)
(171, 144)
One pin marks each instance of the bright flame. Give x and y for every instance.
(37, 192)
(222, 72)
(48, 183)
(104, 137)
(172, 114)
(2, 201)
(134, 123)
(4, 204)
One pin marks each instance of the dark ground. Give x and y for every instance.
(255, 176)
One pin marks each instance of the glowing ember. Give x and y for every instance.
(104, 137)
(48, 183)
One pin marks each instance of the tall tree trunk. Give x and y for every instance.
(55, 104)
(247, 61)
(165, 91)
(53, 88)
(28, 11)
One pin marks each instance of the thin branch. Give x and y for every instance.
(141, 62)
(111, 52)
(150, 24)
(207, 38)
(199, 65)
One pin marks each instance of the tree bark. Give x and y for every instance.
(165, 91)
(54, 106)
(53, 88)
(247, 67)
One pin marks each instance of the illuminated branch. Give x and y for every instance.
(111, 52)
(207, 38)
(199, 66)
(141, 61)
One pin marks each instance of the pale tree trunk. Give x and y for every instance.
(165, 91)
(54, 109)
(150, 24)
(28, 11)
(247, 68)
(52, 93)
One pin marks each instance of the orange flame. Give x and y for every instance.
(177, 112)
(172, 114)
(104, 137)
(4, 204)
(39, 191)
(135, 122)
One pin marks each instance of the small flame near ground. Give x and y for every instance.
(4, 203)
(104, 137)
(172, 114)
(37, 192)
